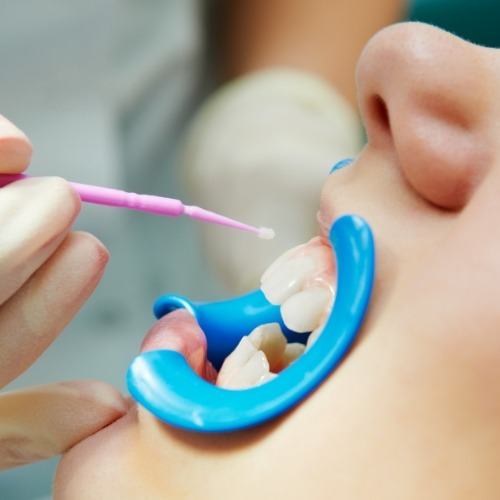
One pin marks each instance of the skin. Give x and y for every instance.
(46, 274)
(414, 410)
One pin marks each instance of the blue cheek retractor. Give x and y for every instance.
(164, 383)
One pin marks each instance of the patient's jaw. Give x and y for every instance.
(414, 409)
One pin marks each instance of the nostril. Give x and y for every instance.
(380, 113)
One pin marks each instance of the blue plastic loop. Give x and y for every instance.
(225, 322)
(164, 383)
(341, 164)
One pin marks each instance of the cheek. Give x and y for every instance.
(449, 317)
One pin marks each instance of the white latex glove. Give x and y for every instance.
(46, 274)
(259, 151)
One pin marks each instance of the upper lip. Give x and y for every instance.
(324, 225)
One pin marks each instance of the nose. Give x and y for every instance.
(426, 96)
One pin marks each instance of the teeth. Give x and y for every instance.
(235, 361)
(254, 372)
(292, 352)
(288, 278)
(291, 281)
(256, 357)
(313, 337)
(268, 377)
(302, 312)
(270, 340)
(281, 259)
(301, 282)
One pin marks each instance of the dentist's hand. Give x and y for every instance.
(259, 151)
(46, 274)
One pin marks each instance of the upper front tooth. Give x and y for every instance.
(236, 360)
(269, 339)
(288, 278)
(280, 260)
(254, 372)
(302, 312)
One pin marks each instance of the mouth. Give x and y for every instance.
(167, 381)
(301, 282)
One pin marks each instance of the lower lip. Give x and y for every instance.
(176, 331)
(179, 332)
(155, 338)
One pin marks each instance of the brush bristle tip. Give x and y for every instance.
(266, 233)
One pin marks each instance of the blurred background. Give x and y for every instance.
(104, 88)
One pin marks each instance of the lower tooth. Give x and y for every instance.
(257, 356)
(292, 352)
(253, 373)
(270, 340)
(267, 378)
(235, 361)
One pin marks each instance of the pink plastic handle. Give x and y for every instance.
(147, 203)
(116, 197)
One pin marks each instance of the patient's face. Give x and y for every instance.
(414, 410)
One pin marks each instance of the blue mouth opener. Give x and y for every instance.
(164, 383)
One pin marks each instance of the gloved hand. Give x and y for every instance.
(259, 151)
(46, 274)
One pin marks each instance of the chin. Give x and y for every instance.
(101, 466)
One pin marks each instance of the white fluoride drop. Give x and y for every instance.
(266, 233)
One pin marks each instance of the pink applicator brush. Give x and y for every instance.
(151, 204)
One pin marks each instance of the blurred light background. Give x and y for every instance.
(103, 88)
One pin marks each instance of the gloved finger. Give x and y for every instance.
(33, 317)
(15, 148)
(34, 216)
(40, 422)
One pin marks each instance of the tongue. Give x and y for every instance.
(179, 331)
